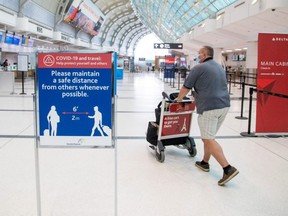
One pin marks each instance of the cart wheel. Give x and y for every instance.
(192, 152)
(160, 156)
(191, 146)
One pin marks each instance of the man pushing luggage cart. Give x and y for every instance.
(172, 126)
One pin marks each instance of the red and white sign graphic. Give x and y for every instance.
(169, 60)
(178, 124)
(272, 111)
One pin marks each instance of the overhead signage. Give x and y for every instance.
(60, 37)
(168, 45)
(29, 26)
(272, 77)
(75, 99)
(65, 38)
(39, 29)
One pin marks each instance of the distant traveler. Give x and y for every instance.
(5, 64)
(212, 102)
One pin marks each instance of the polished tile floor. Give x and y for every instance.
(128, 180)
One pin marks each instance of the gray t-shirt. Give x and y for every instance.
(210, 85)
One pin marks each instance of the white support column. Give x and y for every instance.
(252, 59)
(218, 55)
(252, 55)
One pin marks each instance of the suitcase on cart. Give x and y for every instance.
(172, 126)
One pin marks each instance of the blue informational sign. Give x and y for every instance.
(169, 73)
(75, 99)
(169, 67)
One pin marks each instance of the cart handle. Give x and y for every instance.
(165, 95)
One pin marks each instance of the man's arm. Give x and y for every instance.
(183, 92)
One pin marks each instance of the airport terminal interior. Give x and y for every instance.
(125, 176)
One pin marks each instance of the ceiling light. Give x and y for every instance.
(254, 2)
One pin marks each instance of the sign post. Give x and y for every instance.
(22, 64)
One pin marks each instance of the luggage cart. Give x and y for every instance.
(173, 126)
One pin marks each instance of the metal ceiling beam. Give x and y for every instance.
(139, 38)
(122, 26)
(108, 25)
(114, 6)
(170, 24)
(126, 33)
(140, 34)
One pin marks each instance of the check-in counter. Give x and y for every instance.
(7, 81)
(18, 74)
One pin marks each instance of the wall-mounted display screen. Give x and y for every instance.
(16, 40)
(238, 57)
(25, 41)
(242, 57)
(30, 42)
(9, 38)
(85, 15)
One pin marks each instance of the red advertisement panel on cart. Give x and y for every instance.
(176, 124)
(272, 111)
